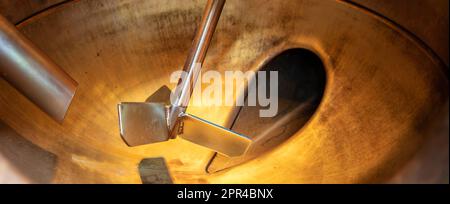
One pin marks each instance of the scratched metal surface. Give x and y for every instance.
(382, 89)
(18, 10)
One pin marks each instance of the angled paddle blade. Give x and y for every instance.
(212, 136)
(162, 95)
(143, 123)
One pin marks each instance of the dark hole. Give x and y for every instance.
(302, 81)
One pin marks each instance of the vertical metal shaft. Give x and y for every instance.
(196, 58)
(33, 73)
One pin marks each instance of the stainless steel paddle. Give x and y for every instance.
(146, 123)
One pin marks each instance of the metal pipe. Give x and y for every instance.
(196, 58)
(33, 73)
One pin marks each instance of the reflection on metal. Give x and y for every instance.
(21, 161)
(212, 136)
(33, 73)
(382, 88)
(146, 123)
(301, 86)
(195, 59)
(143, 123)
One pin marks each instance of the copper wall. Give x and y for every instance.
(385, 98)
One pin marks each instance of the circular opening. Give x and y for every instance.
(301, 85)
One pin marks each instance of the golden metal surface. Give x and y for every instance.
(428, 20)
(383, 88)
(19, 10)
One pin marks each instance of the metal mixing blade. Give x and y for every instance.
(146, 123)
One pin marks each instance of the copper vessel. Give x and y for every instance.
(382, 116)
